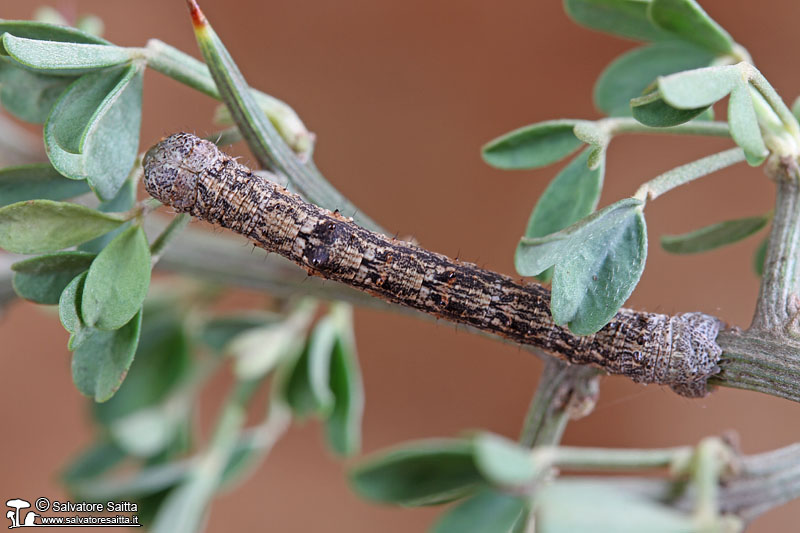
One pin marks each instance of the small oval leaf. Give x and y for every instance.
(700, 87)
(92, 132)
(308, 388)
(601, 269)
(102, 359)
(422, 473)
(687, 20)
(503, 462)
(487, 511)
(760, 257)
(28, 95)
(39, 226)
(117, 282)
(37, 181)
(714, 236)
(343, 425)
(626, 18)
(60, 58)
(651, 110)
(533, 146)
(69, 305)
(744, 125)
(629, 75)
(42, 279)
(47, 32)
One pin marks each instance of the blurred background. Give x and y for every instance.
(401, 96)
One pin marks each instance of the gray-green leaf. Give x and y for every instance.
(69, 305)
(503, 462)
(92, 132)
(714, 236)
(630, 74)
(687, 20)
(572, 195)
(487, 511)
(29, 95)
(42, 279)
(424, 473)
(598, 262)
(40, 180)
(308, 389)
(760, 257)
(38, 226)
(343, 425)
(533, 146)
(60, 58)
(102, 359)
(47, 32)
(651, 110)
(626, 18)
(117, 282)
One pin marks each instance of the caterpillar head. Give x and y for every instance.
(171, 168)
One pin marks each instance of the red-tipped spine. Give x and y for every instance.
(198, 18)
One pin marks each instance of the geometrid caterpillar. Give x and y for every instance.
(195, 177)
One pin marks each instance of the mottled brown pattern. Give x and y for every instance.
(195, 177)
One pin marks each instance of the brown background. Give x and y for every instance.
(402, 94)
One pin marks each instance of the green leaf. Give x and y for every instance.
(163, 362)
(503, 462)
(60, 58)
(40, 180)
(39, 226)
(651, 110)
(343, 425)
(598, 262)
(572, 195)
(69, 308)
(626, 18)
(149, 431)
(28, 95)
(257, 351)
(102, 359)
(760, 257)
(699, 87)
(629, 75)
(488, 511)
(714, 236)
(687, 20)
(533, 146)
(568, 506)
(219, 331)
(47, 32)
(744, 125)
(423, 473)
(94, 461)
(123, 201)
(308, 388)
(117, 282)
(92, 132)
(42, 279)
(796, 108)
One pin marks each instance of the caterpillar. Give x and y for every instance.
(194, 176)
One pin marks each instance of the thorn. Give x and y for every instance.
(198, 18)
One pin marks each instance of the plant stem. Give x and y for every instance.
(778, 305)
(689, 172)
(775, 101)
(564, 392)
(575, 458)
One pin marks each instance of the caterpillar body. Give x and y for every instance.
(194, 176)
